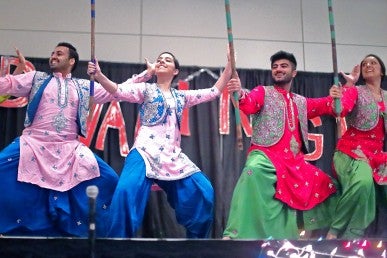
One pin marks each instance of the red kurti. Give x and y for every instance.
(299, 184)
(365, 145)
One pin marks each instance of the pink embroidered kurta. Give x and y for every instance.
(159, 145)
(51, 155)
(365, 145)
(299, 184)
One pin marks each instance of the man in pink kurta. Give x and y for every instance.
(45, 171)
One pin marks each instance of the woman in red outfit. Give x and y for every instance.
(359, 160)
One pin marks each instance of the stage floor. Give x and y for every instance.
(185, 248)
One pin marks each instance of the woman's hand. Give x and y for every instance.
(352, 78)
(336, 92)
(150, 67)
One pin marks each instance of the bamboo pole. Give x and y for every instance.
(335, 70)
(235, 99)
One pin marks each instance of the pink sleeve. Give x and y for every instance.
(194, 97)
(320, 106)
(349, 99)
(251, 103)
(142, 77)
(17, 85)
(325, 106)
(130, 90)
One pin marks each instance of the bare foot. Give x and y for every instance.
(226, 238)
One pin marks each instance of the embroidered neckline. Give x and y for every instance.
(290, 120)
(63, 93)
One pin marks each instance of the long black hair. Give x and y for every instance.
(382, 66)
(175, 61)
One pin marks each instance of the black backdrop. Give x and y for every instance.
(215, 154)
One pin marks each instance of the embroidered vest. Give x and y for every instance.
(82, 87)
(365, 114)
(154, 108)
(269, 124)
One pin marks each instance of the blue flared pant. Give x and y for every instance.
(192, 198)
(29, 210)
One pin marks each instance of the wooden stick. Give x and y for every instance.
(92, 44)
(92, 54)
(335, 70)
(235, 99)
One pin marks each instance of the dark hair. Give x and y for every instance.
(383, 68)
(284, 55)
(72, 53)
(175, 61)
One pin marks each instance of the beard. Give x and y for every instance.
(54, 66)
(283, 81)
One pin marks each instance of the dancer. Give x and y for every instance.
(156, 155)
(276, 182)
(45, 171)
(359, 160)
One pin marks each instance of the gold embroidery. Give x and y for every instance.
(291, 119)
(294, 146)
(360, 154)
(382, 170)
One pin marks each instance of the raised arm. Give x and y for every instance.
(109, 85)
(352, 78)
(150, 67)
(21, 66)
(224, 77)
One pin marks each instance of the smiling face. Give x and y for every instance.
(282, 72)
(166, 65)
(60, 60)
(371, 68)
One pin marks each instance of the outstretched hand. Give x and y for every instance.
(150, 67)
(352, 78)
(21, 66)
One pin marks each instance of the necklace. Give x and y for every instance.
(376, 93)
(377, 97)
(291, 119)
